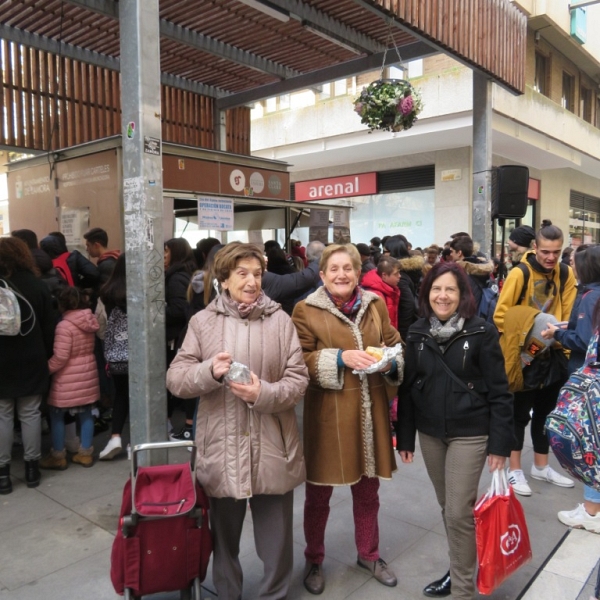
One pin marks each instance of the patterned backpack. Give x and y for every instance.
(116, 342)
(573, 426)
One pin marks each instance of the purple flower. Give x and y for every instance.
(406, 105)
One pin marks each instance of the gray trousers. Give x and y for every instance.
(272, 517)
(28, 410)
(454, 466)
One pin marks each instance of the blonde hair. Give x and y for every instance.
(349, 249)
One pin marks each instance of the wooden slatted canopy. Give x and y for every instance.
(59, 59)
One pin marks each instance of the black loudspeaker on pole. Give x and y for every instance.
(509, 192)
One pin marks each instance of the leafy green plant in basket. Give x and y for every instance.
(388, 104)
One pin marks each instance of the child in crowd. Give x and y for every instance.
(383, 281)
(74, 387)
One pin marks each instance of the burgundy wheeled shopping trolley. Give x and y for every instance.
(163, 543)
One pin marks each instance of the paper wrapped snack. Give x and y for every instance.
(238, 373)
(387, 355)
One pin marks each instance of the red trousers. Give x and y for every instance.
(365, 506)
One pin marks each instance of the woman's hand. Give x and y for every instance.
(220, 365)
(358, 359)
(548, 333)
(248, 392)
(496, 462)
(406, 456)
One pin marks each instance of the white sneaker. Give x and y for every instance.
(112, 449)
(551, 476)
(518, 481)
(580, 519)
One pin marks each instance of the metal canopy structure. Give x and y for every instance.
(239, 51)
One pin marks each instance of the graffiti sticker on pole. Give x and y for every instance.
(215, 213)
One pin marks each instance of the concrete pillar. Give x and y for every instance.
(482, 162)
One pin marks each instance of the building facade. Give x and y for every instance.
(425, 173)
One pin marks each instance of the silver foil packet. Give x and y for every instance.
(389, 354)
(238, 373)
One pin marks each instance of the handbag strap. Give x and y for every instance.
(455, 378)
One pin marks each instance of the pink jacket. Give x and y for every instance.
(75, 379)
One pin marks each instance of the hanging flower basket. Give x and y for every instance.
(388, 104)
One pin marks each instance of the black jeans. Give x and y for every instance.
(542, 402)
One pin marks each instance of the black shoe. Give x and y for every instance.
(5, 482)
(185, 435)
(32, 473)
(100, 426)
(439, 588)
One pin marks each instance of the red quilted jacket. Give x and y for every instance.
(372, 281)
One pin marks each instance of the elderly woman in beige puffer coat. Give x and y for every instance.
(247, 436)
(74, 386)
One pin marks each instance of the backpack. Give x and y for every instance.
(489, 299)
(563, 276)
(116, 342)
(10, 311)
(62, 268)
(573, 427)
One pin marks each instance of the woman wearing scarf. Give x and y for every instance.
(347, 438)
(455, 394)
(247, 437)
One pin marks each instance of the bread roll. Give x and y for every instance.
(375, 352)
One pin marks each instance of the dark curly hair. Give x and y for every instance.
(15, 256)
(466, 304)
(70, 298)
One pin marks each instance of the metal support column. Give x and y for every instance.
(482, 161)
(220, 125)
(142, 204)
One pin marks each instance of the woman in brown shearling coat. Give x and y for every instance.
(347, 438)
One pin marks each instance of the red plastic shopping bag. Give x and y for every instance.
(501, 531)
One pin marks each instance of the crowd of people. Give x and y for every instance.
(251, 332)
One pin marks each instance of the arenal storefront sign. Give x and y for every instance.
(336, 187)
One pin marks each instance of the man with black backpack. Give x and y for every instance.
(542, 283)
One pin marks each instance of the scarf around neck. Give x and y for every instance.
(347, 307)
(242, 308)
(442, 332)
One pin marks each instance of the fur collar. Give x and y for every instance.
(478, 267)
(320, 299)
(412, 263)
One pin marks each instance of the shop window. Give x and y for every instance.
(325, 91)
(584, 219)
(271, 104)
(540, 83)
(585, 104)
(284, 102)
(568, 92)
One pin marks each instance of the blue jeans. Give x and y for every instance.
(591, 495)
(57, 426)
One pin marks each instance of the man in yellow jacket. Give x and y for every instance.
(550, 293)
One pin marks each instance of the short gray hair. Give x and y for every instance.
(314, 250)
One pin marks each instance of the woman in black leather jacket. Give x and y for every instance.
(455, 394)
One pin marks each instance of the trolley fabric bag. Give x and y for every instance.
(573, 427)
(501, 533)
(163, 542)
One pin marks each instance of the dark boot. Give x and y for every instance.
(32, 473)
(5, 482)
(439, 588)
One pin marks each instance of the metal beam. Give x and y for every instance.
(307, 80)
(40, 42)
(46, 44)
(205, 43)
(199, 41)
(582, 3)
(304, 12)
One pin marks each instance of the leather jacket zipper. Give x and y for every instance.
(465, 348)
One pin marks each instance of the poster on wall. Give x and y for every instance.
(341, 225)
(319, 225)
(215, 213)
(74, 222)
